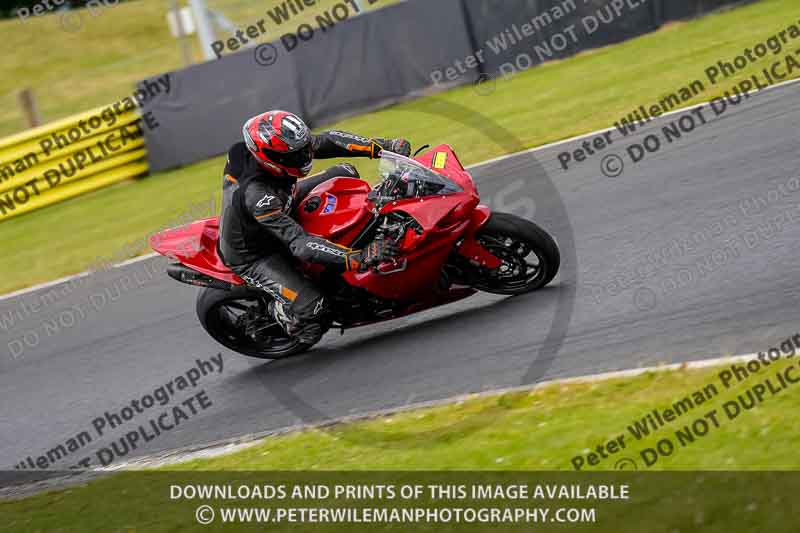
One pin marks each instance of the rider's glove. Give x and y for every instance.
(398, 146)
(374, 254)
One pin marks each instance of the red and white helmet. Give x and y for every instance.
(281, 142)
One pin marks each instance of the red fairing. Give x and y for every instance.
(195, 245)
(443, 219)
(470, 247)
(339, 210)
(336, 210)
(453, 168)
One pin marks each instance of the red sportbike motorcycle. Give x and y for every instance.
(450, 248)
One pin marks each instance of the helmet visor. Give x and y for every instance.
(296, 159)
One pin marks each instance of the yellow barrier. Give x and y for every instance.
(75, 164)
(69, 157)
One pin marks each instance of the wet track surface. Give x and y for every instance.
(689, 254)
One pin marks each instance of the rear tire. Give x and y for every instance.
(239, 320)
(530, 255)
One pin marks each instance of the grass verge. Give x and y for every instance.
(548, 103)
(538, 430)
(547, 428)
(105, 51)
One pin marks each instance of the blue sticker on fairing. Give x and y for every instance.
(330, 205)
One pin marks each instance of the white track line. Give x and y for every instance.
(612, 128)
(66, 279)
(234, 444)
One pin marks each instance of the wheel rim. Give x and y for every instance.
(522, 265)
(245, 324)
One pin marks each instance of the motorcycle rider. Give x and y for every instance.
(258, 237)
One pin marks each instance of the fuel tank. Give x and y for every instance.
(336, 210)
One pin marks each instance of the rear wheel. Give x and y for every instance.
(529, 255)
(239, 320)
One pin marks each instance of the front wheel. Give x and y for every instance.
(239, 320)
(529, 255)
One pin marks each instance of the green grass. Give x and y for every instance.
(523, 431)
(544, 430)
(545, 104)
(114, 48)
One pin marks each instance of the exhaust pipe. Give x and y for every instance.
(186, 275)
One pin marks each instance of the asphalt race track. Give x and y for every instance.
(730, 187)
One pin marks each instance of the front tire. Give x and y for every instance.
(239, 320)
(529, 254)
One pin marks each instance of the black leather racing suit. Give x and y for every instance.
(258, 236)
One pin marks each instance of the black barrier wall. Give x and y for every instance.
(671, 10)
(383, 57)
(208, 104)
(520, 34)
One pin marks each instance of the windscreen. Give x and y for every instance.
(405, 178)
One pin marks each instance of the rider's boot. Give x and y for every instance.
(306, 332)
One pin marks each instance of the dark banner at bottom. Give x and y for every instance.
(404, 501)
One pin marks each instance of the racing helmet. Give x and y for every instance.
(281, 143)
